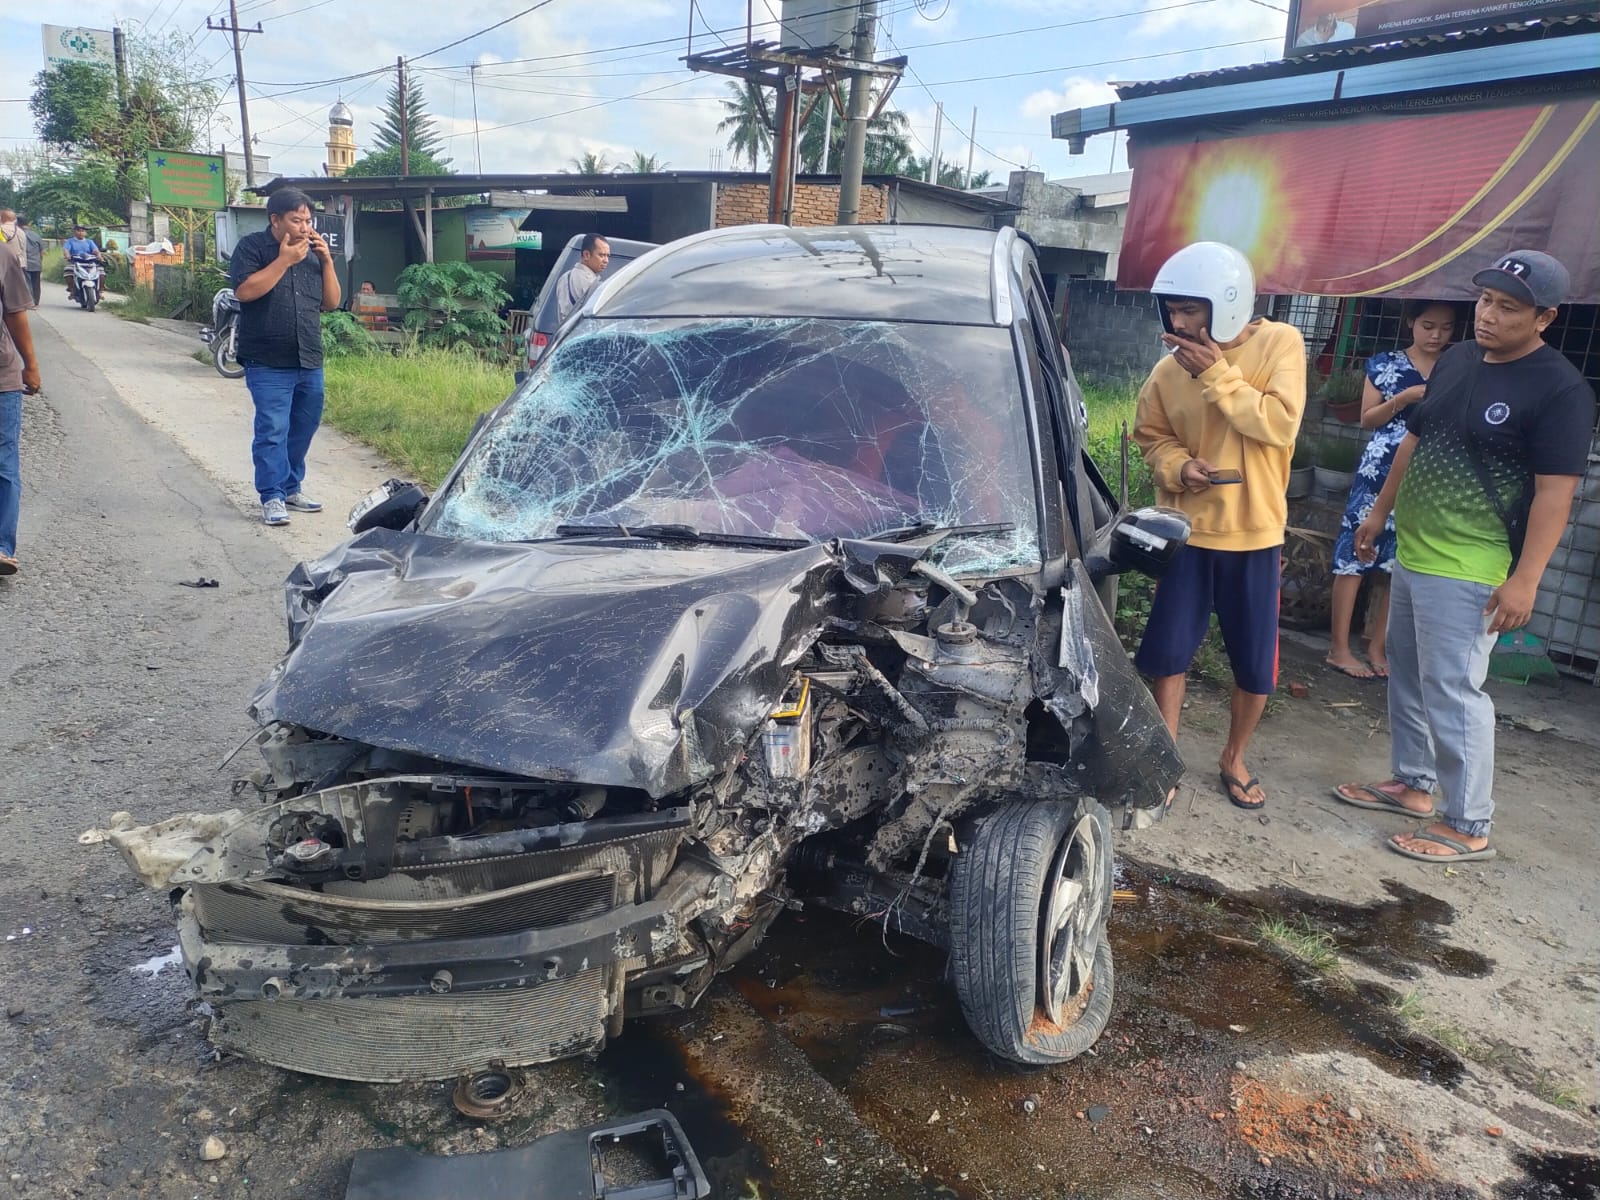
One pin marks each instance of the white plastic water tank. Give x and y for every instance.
(817, 24)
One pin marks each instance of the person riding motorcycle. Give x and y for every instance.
(80, 247)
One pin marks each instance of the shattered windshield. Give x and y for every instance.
(792, 428)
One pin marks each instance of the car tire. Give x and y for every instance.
(1030, 869)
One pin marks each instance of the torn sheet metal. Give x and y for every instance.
(604, 664)
(646, 1157)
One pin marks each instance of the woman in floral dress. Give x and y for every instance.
(1396, 380)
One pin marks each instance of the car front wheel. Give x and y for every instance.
(1030, 895)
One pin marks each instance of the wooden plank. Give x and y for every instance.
(610, 204)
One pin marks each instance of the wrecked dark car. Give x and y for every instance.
(780, 582)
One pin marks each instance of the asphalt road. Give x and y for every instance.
(124, 691)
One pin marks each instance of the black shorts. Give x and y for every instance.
(1241, 587)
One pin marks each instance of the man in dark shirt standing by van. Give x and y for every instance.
(285, 280)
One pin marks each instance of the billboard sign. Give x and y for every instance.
(179, 179)
(497, 233)
(69, 43)
(1338, 24)
(1404, 206)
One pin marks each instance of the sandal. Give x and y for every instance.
(1378, 800)
(1229, 783)
(1461, 851)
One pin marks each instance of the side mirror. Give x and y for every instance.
(392, 506)
(1144, 540)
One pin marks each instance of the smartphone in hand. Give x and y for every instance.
(1225, 476)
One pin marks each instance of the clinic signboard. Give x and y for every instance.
(179, 179)
(1339, 24)
(74, 44)
(497, 233)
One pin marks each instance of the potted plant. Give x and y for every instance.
(1336, 463)
(1342, 392)
(1302, 470)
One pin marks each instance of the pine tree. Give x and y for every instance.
(422, 135)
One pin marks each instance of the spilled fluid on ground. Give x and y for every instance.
(1156, 1109)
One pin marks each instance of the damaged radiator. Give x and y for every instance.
(390, 1040)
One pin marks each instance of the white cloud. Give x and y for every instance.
(1218, 21)
(1077, 91)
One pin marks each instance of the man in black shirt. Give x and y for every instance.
(285, 280)
(1481, 491)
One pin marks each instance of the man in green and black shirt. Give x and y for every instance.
(1481, 491)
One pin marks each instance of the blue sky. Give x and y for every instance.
(614, 84)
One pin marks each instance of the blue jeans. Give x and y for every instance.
(10, 470)
(288, 410)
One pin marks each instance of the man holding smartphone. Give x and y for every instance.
(1216, 424)
(285, 280)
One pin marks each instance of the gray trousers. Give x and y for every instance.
(1440, 718)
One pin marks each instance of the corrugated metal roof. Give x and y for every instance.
(1327, 60)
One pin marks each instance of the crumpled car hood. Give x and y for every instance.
(600, 664)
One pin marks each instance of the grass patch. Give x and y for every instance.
(138, 307)
(1553, 1089)
(1303, 940)
(1411, 1010)
(201, 356)
(415, 408)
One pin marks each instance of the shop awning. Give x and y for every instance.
(1398, 204)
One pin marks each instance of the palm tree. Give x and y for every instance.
(589, 163)
(748, 123)
(889, 150)
(646, 164)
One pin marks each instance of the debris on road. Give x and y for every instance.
(201, 582)
(572, 1164)
(213, 1149)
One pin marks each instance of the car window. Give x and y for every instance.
(793, 428)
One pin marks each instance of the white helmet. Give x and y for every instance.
(1215, 272)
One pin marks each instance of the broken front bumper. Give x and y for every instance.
(521, 959)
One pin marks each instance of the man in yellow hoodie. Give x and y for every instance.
(1216, 423)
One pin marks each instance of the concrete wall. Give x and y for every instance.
(1111, 334)
(814, 204)
(1065, 220)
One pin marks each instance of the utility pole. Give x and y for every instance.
(827, 133)
(972, 144)
(238, 76)
(855, 141)
(472, 75)
(119, 47)
(933, 156)
(405, 124)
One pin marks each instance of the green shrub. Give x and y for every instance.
(453, 304)
(1338, 454)
(343, 336)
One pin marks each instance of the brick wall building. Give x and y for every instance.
(814, 204)
(1111, 334)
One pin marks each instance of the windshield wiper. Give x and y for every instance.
(908, 533)
(682, 533)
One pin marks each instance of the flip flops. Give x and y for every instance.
(1380, 801)
(1229, 783)
(1463, 852)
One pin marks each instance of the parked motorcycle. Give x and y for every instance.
(222, 335)
(86, 286)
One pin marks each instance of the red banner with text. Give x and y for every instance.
(1407, 206)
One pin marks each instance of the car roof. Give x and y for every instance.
(620, 247)
(933, 273)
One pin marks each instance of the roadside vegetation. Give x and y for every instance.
(1302, 939)
(416, 407)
